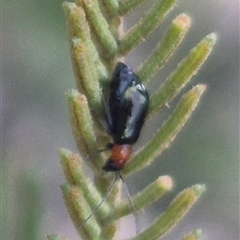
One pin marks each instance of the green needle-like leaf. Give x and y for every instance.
(80, 210)
(168, 132)
(183, 74)
(82, 123)
(111, 6)
(89, 77)
(100, 25)
(125, 6)
(69, 203)
(75, 169)
(141, 31)
(165, 48)
(144, 198)
(80, 29)
(176, 210)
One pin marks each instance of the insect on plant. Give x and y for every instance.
(126, 110)
(96, 28)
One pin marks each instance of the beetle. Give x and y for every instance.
(126, 111)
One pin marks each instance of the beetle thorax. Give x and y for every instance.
(120, 154)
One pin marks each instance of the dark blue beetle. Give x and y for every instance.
(126, 110)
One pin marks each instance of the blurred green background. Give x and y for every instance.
(36, 71)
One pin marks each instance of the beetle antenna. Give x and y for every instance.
(99, 205)
(130, 201)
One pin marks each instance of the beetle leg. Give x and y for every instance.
(107, 148)
(104, 123)
(108, 122)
